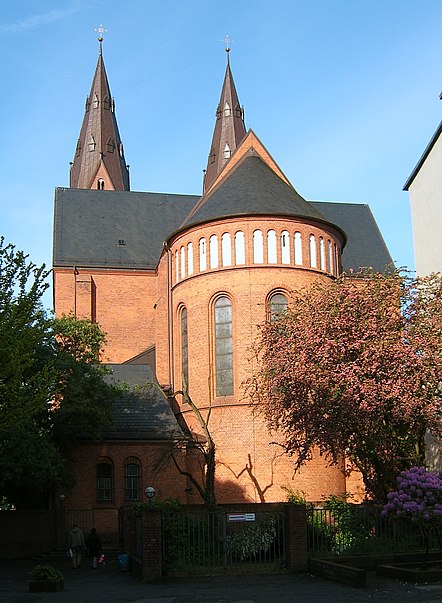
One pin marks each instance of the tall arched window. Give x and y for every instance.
(132, 479)
(240, 253)
(277, 304)
(298, 249)
(258, 247)
(184, 347)
(336, 263)
(321, 253)
(223, 347)
(226, 249)
(329, 256)
(203, 255)
(189, 259)
(183, 262)
(213, 243)
(271, 247)
(177, 267)
(285, 247)
(105, 480)
(312, 241)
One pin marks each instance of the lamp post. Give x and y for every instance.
(150, 493)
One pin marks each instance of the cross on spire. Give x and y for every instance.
(100, 31)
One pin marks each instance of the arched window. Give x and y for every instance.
(312, 248)
(213, 243)
(100, 184)
(258, 247)
(105, 480)
(271, 247)
(184, 347)
(190, 258)
(203, 255)
(277, 304)
(285, 247)
(298, 249)
(321, 253)
(223, 346)
(336, 271)
(329, 256)
(240, 253)
(177, 267)
(183, 262)
(132, 479)
(226, 249)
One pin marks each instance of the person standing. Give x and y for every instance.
(93, 544)
(77, 544)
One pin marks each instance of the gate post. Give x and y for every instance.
(152, 543)
(297, 543)
(60, 527)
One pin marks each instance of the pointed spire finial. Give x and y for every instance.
(100, 31)
(227, 41)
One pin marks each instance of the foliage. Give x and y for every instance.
(295, 497)
(51, 384)
(47, 573)
(354, 368)
(253, 539)
(417, 499)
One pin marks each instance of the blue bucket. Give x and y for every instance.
(124, 563)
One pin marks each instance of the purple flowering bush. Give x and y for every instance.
(418, 498)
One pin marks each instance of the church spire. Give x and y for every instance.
(99, 161)
(229, 127)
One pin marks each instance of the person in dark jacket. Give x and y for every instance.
(93, 544)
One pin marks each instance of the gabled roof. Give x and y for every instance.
(114, 228)
(99, 146)
(229, 129)
(422, 160)
(365, 246)
(143, 412)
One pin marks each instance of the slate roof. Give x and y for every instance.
(140, 415)
(251, 189)
(88, 225)
(365, 246)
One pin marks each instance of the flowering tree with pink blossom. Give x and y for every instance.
(353, 370)
(418, 499)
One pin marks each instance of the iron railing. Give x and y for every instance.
(360, 530)
(198, 541)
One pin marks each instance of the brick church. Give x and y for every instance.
(179, 283)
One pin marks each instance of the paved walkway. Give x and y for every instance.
(108, 585)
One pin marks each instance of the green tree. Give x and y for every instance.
(354, 369)
(51, 384)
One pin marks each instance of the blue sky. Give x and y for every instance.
(344, 94)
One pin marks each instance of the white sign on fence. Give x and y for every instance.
(241, 517)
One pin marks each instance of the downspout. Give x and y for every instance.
(75, 291)
(169, 315)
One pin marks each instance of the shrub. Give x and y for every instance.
(47, 573)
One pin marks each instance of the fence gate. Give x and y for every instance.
(84, 518)
(195, 542)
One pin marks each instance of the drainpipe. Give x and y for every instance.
(169, 314)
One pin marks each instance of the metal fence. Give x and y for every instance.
(359, 530)
(208, 541)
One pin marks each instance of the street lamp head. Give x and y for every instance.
(149, 492)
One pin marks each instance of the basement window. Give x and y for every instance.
(122, 242)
